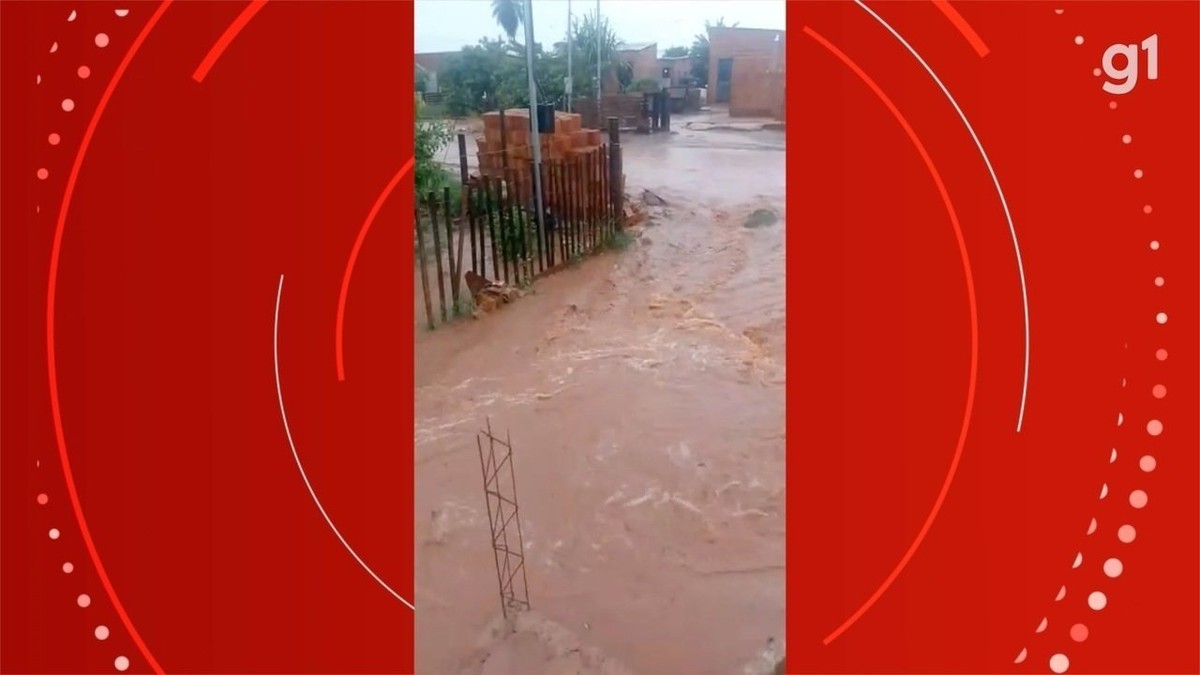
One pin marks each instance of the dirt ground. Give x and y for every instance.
(643, 390)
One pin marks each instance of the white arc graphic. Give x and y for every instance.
(296, 455)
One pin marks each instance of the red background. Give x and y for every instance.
(879, 327)
(191, 202)
(194, 198)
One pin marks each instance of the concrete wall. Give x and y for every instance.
(759, 65)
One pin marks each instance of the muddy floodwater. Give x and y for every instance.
(644, 393)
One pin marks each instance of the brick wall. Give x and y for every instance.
(625, 107)
(756, 90)
(644, 61)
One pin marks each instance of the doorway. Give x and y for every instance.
(724, 78)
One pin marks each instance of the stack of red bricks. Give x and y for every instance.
(568, 140)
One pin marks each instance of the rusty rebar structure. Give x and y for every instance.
(508, 547)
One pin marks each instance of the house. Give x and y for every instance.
(642, 58)
(432, 64)
(677, 70)
(746, 71)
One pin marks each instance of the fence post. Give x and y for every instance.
(431, 202)
(471, 199)
(455, 265)
(462, 158)
(616, 182)
(489, 205)
(424, 268)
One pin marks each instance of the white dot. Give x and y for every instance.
(1096, 72)
(54, 533)
(1159, 281)
(1127, 139)
(1120, 419)
(1059, 663)
(121, 663)
(53, 47)
(84, 600)
(39, 79)
(1147, 463)
(1078, 39)
(1113, 568)
(101, 632)
(68, 105)
(1154, 427)
(68, 568)
(1078, 560)
(121, 12)
(1137, 173)
(1154, 245)
(1092, 526)
(1097, 600)
(1138, 499)
(101, 40)
(1103, 490)
(71, 16)
(1161, 318)
(1126, 534)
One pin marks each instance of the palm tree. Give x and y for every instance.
(510, 14)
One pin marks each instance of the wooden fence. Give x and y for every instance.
(493, 229)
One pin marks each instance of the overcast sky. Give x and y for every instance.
(447, 25)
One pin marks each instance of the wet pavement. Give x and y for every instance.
(643, 390)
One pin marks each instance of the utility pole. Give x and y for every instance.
(535, 141)
(570, 48)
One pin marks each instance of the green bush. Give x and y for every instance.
(429, 136)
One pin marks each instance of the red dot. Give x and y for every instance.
(84, 72)
(1079, 632)
(43, 499)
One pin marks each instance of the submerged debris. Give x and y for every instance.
(761, 218)
(651, 199)
(488, 294)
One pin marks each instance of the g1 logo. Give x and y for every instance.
(1123, 80)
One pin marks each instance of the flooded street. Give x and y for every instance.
(643, 391)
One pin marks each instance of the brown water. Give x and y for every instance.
(643, 391)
